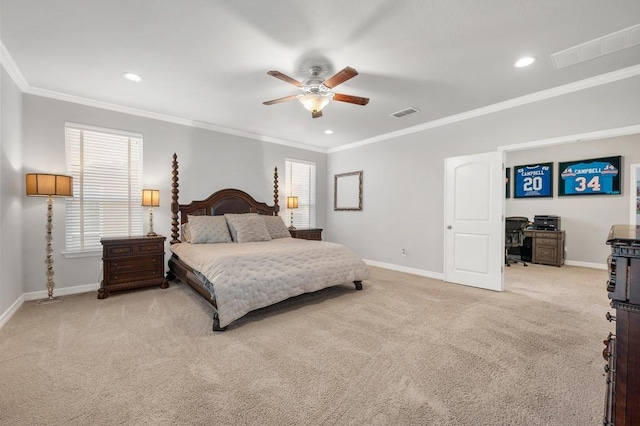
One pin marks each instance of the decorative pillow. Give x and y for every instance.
(208, 229)
(250, 228)
(186, 232)
(276, 227)
(232, 218)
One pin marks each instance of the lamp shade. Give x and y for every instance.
(292, 202)
(150, 198)
(315, 101)
(41, 184)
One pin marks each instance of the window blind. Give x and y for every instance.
(301, 183)
(107, 186)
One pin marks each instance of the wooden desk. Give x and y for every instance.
(547, 247)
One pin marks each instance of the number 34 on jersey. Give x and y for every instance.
(589, 178)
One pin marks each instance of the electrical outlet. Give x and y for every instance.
(404, 252)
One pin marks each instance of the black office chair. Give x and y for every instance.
(514, 227)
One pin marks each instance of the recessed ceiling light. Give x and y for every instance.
(132, 77)
(524, 62)
(328, 132)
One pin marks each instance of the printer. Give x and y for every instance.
(546, 223)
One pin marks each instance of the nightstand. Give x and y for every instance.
(307, 234)
(132, 262)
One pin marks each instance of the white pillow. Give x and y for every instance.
(208, 229)
(186, 232)
(250, 228)
(276, 227)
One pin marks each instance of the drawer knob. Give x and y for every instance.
(115, 263)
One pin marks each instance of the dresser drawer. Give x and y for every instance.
(123, 250)
(133, 263)
(115, 278)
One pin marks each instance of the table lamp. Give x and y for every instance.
(292, 203)
(151, 199)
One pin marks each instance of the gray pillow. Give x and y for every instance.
(250, 229)
(208, 229)
(232, 219)
(276, 227)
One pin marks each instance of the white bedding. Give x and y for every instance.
(249, 276)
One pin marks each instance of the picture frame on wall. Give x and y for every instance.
(533, 180)
(507, 182)
(595, 176)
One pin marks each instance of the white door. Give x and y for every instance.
(474, 237)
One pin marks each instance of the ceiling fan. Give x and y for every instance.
(316, 92)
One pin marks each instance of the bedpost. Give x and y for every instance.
(175, 207)
(276, 208)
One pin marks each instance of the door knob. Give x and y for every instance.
(448, 226)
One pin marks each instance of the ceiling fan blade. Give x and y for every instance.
(277, 101)
(285, 78)
(316, 114)
(350, 99)
(340, 77)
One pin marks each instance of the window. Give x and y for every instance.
(301, 183)
(106, 166)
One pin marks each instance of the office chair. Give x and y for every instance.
(514, 227)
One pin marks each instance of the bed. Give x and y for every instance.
(220, 249)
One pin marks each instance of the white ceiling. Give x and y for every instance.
(207, 60)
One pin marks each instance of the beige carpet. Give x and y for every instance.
(406, 350)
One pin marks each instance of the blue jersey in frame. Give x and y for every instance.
(589, 178)
(533, 181)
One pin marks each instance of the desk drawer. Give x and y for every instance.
(546, 242)
(552, 235)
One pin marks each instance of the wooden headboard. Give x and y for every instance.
(218, 203)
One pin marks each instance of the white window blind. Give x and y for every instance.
(106, 167)
(301, 183)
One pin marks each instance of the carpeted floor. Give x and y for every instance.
(406, 350)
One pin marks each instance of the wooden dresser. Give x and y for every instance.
(132, 262)
(547, 246)
(622, 349)
(307, 234)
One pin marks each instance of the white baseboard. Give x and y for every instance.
(586, 264)
(35, 295)
(414, 271)
(6, 315)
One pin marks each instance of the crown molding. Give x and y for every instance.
(576, 86)
(163, 117)
(12, 69)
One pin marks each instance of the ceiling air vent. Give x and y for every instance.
(404, 112)
(595, 48)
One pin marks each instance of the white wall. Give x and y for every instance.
(585, 220)
(208, 161)
(403, 197)
(11, 193)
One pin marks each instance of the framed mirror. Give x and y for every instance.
(347, 191)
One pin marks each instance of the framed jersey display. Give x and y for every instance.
(533, 180)
(597, 176)
(507, 182)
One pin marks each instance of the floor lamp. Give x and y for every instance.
(47, 185)
(151, 199)
(292, 203)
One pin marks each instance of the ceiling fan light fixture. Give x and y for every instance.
(315, 101)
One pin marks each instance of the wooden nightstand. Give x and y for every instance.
(307, 234)
(132, 262)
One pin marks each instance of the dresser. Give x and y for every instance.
(132, 262)
(622, 348)
(307, 234)
(547, 246)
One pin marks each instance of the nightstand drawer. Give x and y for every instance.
(133, 263)
(136, 275)
(307, 234)
(119, 250)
